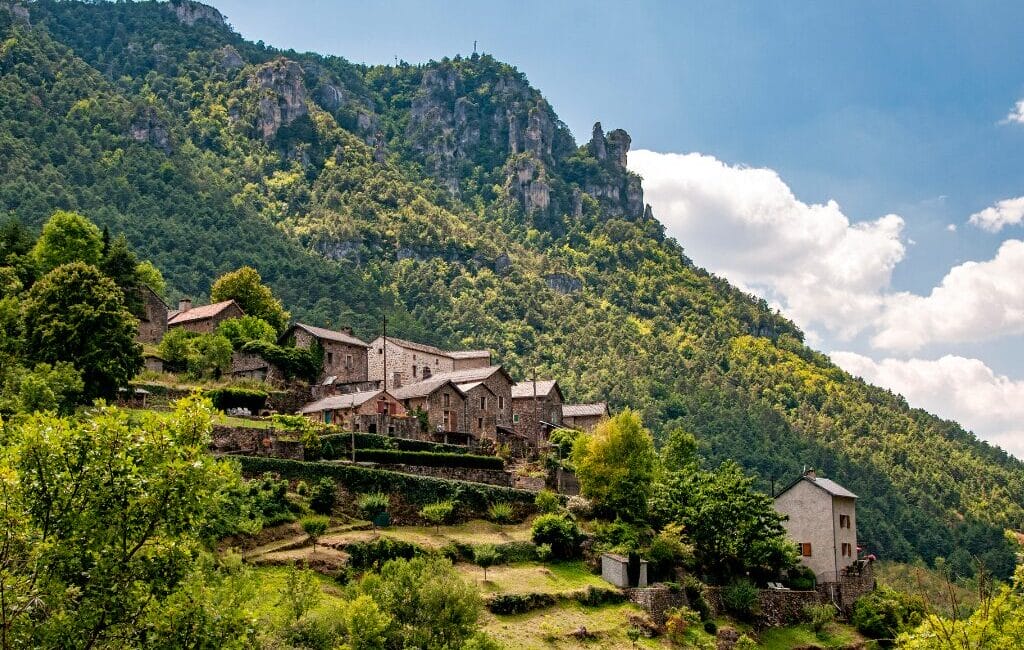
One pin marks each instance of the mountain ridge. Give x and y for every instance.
(450, 197)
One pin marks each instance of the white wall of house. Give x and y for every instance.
(818, 518)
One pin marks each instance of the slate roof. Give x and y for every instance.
(465, 388)
(596, 409)
(524, 389)
(202, 312)
(346, 401)
(471, 375)
(422, 388)
(469, 354)
(430, 349)
(825, 484)
(331, 335)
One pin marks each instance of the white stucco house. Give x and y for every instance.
(822, 523)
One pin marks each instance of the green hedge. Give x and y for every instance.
(521, 603)
(474, 498)
(340, 443)
(233, 397)
(428, 459)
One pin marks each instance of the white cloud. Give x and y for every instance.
(1008, 212)
(951, 227)
(957, 388)
(747, 225)
(1016, 114)
(974, 302)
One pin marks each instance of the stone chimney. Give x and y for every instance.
(346, 330)
(810, 473)
(184, 304)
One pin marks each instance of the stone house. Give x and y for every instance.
(409, 362)
(822, 523)
(367, 411)
(481, 410)
(344, 354)
(584, 416)
(497, 406)
(249, 365)
(536, 409)
(203, 319)
(152, 316)
(440, 399)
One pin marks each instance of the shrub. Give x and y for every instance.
(311, 633)
(486, 556)
(711, 627)
(375, 553)
(621, 536)
(885, 612)
(302, 489)
(323, 497)
(505, 604)
(544, 552)
(580, 507)
(558, 531)
(740, 598)
(694, 590)
(818, 616)
(501, 513)
(801, 578)
(678, 621)
(438, 513)
(667, 551)
(745, 643)
(373, 505)
(547, 501)
(594, 596)
(301, 593)
(512, 552)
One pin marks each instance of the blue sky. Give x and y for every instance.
(884, 108)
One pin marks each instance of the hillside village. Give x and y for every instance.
(351, 447)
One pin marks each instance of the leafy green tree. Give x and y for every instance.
(245, 329)
(209, 355)
(486, 556)
(373, 505)
(323, 497)
(43, 388)
(151, 276)
(77, 315)
(103, 517)
(176, 347)
(365, 624)
(547, 501)
(245, 287)
(121, 265)
(615, 465)
(885, 613)
(430, 605)
(301, 593)
(438, 513)
(314, 527)
(680, 451)
(735, 530)
(68, 237)
(559, 533)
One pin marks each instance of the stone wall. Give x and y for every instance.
(845, 592)
(489, 476)
(254, 442)
(776, 607)
(656, 600)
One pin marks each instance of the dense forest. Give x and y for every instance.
(449, 197)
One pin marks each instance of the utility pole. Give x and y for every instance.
(536, 412)
(385, 348)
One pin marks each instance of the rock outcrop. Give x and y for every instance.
(228, 58)
(189, 12)
(526, 179)
(282, 95)
(147, 127)
(618, 190)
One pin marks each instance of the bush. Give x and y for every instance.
(667, 551)
(302, 489)
(740, 598)
(513, 552)
(323, 496)
(694, 590)
(544, 552)
(311, 633)
(547, 501)
(373, 554)
(559, 532)
(678, 621)
(580, 507)
(505, 604)
(301, 363)
(486, 556)
(801, 578)
(438, 513)
(501, 513)
(315, 527)
(230, 397)
(429, 459)
(885, 612)
(711, 627)
(818, 616)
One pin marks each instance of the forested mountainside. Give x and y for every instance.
(450, 197)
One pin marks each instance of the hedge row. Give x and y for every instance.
(476, 498)
(428, 459)
(522, 603)
(340, 443)
(230, 397)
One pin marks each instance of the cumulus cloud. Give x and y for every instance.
(746, 224)
(1016, 114)
(1008, 212)
(974, 302)
(954, 387)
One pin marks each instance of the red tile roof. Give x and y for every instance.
(199, 313)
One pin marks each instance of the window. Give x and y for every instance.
(380, 350)
(515, 418)
(480, 424)
(330, 358)
(449, 421)
(847, 550)
(483, 403)
(426, 372)
(447, 399)
(414, 371)
(844, 521)
(805, 549)
(348, 360)
(501, 403)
